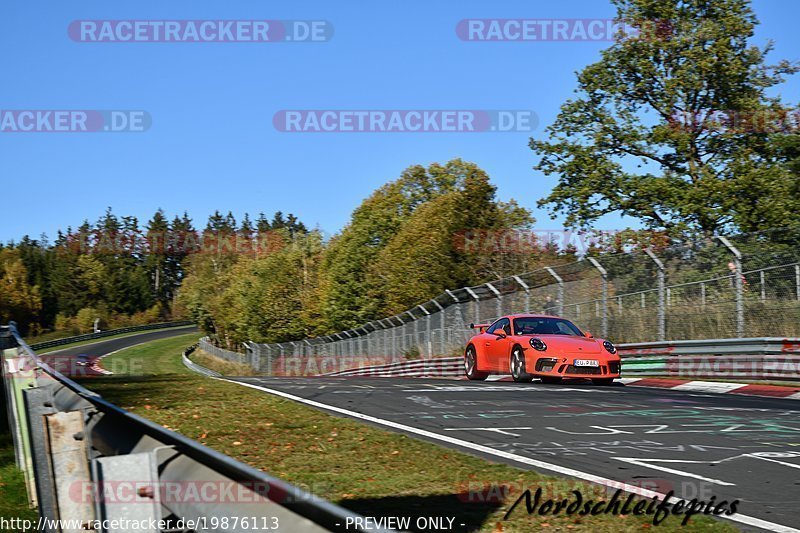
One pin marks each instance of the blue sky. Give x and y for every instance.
(212, 144)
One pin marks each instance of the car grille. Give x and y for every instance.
(613, 367)
(582, 369)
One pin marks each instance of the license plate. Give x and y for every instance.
(586, 362)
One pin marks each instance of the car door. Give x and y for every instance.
(498, 347)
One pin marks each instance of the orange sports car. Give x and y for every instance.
(538, 346)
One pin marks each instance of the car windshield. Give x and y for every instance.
(545, 326)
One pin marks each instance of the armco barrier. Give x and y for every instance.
(110, 332)
(194, 367)
(87, 460)
(770, 358)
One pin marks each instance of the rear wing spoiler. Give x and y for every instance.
(481, 327)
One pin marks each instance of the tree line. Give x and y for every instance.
(115, 269)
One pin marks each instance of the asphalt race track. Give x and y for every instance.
(699, 445)
(64, 359)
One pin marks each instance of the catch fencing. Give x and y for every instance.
(88, 462)
(744, 286)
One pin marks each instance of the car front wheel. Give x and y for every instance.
(471, 365)
(517, 364)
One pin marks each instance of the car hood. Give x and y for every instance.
(572, 344)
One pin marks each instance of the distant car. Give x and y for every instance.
(83, 360)
(539, 346)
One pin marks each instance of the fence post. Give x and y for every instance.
(560, 293)
(797, 280)
(604, 311)
(527, 293)
(498, 297)
(427, 329)
(441, 326)
(475, 299)
(414, 323)
(458, 311)
(394, 336)
(662, 309)
(737, 267)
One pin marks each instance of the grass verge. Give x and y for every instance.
(226, 368)
(13, 495)
(365, 469)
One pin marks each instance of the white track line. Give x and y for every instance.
(645, 493)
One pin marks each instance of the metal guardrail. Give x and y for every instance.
(194, 367)
(769, 358)
(73, 446)
(108, 333)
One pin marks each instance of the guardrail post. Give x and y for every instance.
(527, 292)
(662, 309)
(39, 404)
(738, 284)
(560, 293)
(604, 311)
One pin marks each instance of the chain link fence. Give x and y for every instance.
(716, 288)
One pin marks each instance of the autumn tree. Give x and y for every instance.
(664, 127)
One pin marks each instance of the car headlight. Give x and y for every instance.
(610, 348)
(538, 345)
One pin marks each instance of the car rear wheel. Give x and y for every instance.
(471, 365)
(517, 365)
(603, 381)
(550, 380)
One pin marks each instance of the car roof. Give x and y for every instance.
(529, 315)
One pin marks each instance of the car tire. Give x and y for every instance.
(603, 381)
(471, 365)
(550, 380)
(516, 365)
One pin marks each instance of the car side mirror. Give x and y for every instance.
(500, 334)
(588, 335)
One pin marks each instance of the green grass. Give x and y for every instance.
(13, 495)
(363, 468)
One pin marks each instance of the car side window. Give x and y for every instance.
(502, 324)
(494, 326)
